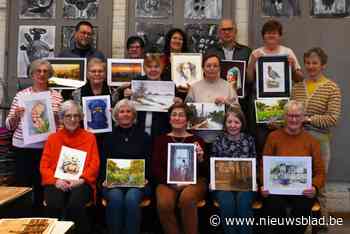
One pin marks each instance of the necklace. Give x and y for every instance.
(125, 135)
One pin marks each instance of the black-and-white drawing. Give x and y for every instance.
(201, 36)
(80, 9)
(281, 8)
(330, 8)
(154, 8)
(203, 9)
(34, 42)
(68, 36)
(37, 9)
(153, 35)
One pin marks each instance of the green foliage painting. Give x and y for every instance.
(270, 110)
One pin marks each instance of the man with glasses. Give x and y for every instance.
(82, 47)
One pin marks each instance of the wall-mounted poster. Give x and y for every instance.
(80, 9)
(68, 73)
(154, 8)
(270, 109)
(281, 8)
(233, 174)
(152, 96)
(121, 71)
(68, 37)
(206, 116)
(201, 36)
(203, 9)
(287, 175)
(186, 68)
(44, 9)
(38, 119)
(182, 164)
(330, 8)
(34, 42)
(97, 114)
(234, 72)
(153, 34)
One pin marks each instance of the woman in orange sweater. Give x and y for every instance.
(69, 196)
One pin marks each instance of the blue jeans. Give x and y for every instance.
(235, 205)
(123, 214)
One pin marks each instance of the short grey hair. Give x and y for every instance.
(68, 105)
(294, 103)
(118, 105)
(36, 63)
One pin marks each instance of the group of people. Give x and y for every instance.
(314, 108)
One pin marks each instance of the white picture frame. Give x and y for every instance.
(269, 110)
(182, 164)
(155, 96)
(222, 180)
(186, 68)
(123, 71)
(101, 120)
(37, 129)
(206, 116)
(70, 165)
(287, 175)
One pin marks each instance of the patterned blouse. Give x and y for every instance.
(244, 147)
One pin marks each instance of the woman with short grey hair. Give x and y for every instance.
(28, 155)
(67, 105)
(126, 141)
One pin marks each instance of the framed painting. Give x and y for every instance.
(280, 8)
(186, 68)
(68, 73)
(45, 9)
(122, 71)
(203, 9)
(201, 36)
(234, 72)
(155, 96)
(87, 9)
(270, 109)
(274, 75)
(97, 115)
(206, 116)
(233, 174)
(125, 173)
(182, 164)
(287, 175)
(330, 9)
(154, 8)
(38, 119)
(153, 34)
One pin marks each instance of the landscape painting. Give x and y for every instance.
(270, 109)
(121, 71)
(125, 173)
(206, 116)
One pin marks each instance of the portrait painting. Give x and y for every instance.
(201, 36)
(34, 42)
(80, 9)
(125, 173)
(70, 164)
(203, 9)
(38, 119)
(121, 71)
(287, 175)
(68, 73)
(153, 34)
(154, 8)
(233, 174)
(281, 8)
(68, 37)
(206, 116)
(152, 96)
(270, 109)
(234, 72)
(330, 8)
(182, 164)
(186, 68)
(273, 77)
(97, 115)
(37, 9)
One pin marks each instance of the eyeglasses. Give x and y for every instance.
(39, 71)
(227, 29)
(291, 116)
(72, 116)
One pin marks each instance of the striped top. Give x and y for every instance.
(323, 106)
(14, 124)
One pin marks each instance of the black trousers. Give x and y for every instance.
(69, 205)
(278, 206)
(28, 172)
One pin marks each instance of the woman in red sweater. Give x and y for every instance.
(69, 196)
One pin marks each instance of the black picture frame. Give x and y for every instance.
(273, 77)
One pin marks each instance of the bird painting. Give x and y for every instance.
(272, 80)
